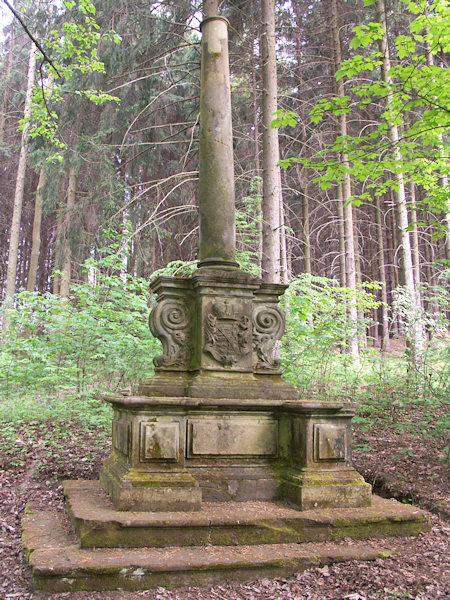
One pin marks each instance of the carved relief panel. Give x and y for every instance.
(227, 332)
(330, 443)
(159, 441)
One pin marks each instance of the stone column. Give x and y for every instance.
(216, 178)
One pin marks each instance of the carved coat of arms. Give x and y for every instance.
(227, 332)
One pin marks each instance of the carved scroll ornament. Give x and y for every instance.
(268, 328)
(169, 322)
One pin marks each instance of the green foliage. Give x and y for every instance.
(72, 48)
(248, 228)
(176, 268)
(385, 385)
(434, 362)
(100, 338)
(418, 97)
(317, 331)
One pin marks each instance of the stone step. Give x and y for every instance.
(98, 524)
(59, 565)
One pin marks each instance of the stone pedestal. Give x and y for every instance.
(217, 422)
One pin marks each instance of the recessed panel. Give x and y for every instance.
(121, 436)
(330, 443)
(232, 437)
(159, 441)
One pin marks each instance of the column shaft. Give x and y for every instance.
(216, 178)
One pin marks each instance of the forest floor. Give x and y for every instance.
(398, 461)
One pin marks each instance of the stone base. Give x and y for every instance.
(220, 543)
(311, 488)
(146, 491)
(218, 385)
(170, 453)
(98, 524)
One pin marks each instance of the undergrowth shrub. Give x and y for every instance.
(58, 355)
(97, 339)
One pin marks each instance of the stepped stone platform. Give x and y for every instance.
(233, 541)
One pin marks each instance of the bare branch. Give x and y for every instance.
(32, 38)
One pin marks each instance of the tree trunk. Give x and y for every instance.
(256, 142)
(443, 179)
(6, 93)
(302, 111)
(64, 289)
(36, 235)
(57, 263)
(340, 213)
(350, 269)
(414, 235)
(284, 271)
(18, 195)
(358, 275)
(272, 202)
(414, 326)
(306, 231)
(385, 340)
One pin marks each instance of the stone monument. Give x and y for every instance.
(217, 454)
(217, 422)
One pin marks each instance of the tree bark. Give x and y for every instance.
(414, 235)
(36, 234)
(257, 149)
(57, 263)
(18, 195)
(340, 213)
(358, 276)
(302, 111)
(64, 289)
(385, 340)
(6, 93)
(306, 231)
(284, 270)
(350, 269)
(415, 333)
(272, 202)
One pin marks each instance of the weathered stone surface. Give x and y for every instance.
(216, 321)
(216, 167)
(170, 321)
(330, 442)
(133, 489)
(232, 449)
(227, 333)
(268, 328)
(240, 386)
(64, 567)
(121, 436)
(245, 480)
(232, 436)
(98, 524)
(159, 441)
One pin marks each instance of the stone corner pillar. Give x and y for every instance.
(216, 171)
